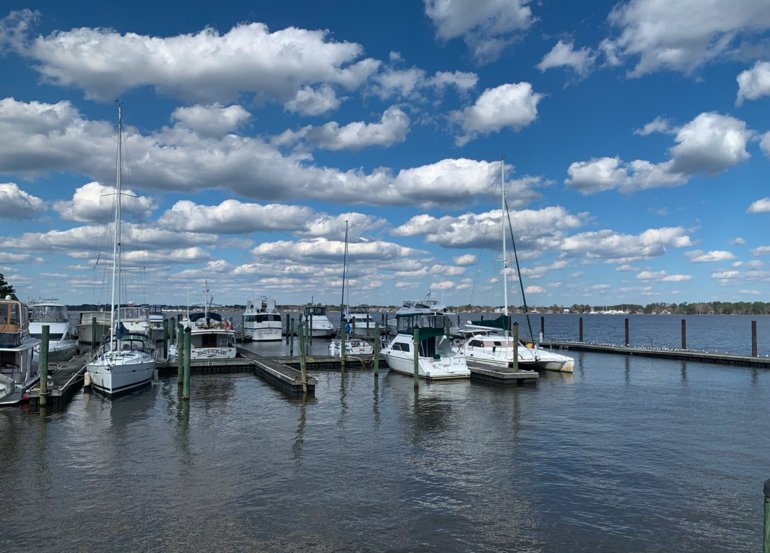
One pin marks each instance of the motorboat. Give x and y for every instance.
(18, 364)
(136, 319)
(62, 344)
(318, 323)
(93, 327)
(353, 346)
(436, 360)
(261, 321)
(125, 362)
(423, 306)
(496, 350)
(211, 337)
(155, 319)
(360, 322)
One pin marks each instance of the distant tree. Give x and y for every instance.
(5, 288)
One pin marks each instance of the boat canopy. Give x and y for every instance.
(428, 325)
(503, 322)
(198, 316)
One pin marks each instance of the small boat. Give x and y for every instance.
(496, 350)
(93, 327)
(318, 322)
(62, 344)
(18, 366)
(353, 346)
(136, 319)
(261, 322)
(126, 362)
(155, 319)
(210, 336)
(427, 305)
(436, 358)
(361, 322)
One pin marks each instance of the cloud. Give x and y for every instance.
(684, 35)
(324, 250)
(234, 217)
(465, 260)
(761, 250)
(95, 203)
(699, 256)
(211, 120)
(15, 203)
(765, 144)
(709, 144)
(625, 248)
(508, 105)
(487, 26)
(760, 206)
(754, 83)
(659, 124)
(204, 67)
(392, 128)
(563, 54)
(662, 276)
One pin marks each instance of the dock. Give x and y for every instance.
(501, 375)
(64, 380)
(673, 354)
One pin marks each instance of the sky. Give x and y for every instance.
(632, 137)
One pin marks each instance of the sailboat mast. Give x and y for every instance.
(115, 297)
(502, 230)
(344, 276)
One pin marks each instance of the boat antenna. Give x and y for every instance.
(344, 276)
(518, 271)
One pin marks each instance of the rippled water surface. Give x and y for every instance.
(626, 455)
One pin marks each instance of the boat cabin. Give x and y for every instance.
(14, 322)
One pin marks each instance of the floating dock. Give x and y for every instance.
(674, 354)
(501, 375)
(64, 380)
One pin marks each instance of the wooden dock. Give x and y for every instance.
(501, 375)
(64, 380)
(674, 354)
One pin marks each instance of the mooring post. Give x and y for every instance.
(766, 541)
(309, 334)
(416, 345)
(342, 346)
(172, 330)
(288, 325)
(93, 334)
(376, 350)
(302, 354)
(580, 329)
(625, 343)
(516, 347)
(187, 352)
(180, 355)
(542, 327)
(165, 338)
(291, 333)
(753, 338)
(684, 334)
(44, 365)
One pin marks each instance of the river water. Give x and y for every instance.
(628, 454)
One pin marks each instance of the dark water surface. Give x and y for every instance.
(626, 455)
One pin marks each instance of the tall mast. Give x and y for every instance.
(344, 276)
(115, 298)
(502, 229)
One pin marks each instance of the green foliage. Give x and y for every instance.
(5, 288)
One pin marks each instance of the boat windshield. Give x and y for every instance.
(315, 310)
(48, 313)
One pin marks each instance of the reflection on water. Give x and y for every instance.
(625, 455)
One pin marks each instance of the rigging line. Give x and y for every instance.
(478, 263)
(518, 271)
(344, 276)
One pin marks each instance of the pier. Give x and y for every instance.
(64, 380)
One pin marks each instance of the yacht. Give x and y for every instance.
(427, 305)
(353, 346)
(211, 337)
(155, 320)
(261, 322)
(62, 344)
(361, 322)
(435, 358)
(18, 364)
(315, 315)
(93, 327)
(483, 347)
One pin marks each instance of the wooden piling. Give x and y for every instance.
(376, 350)
(288, 329)
(94, 345)
(165, 338)
(302, 354)
(580, 329)
(753, 338)
(515, 347)
(626, 341)
(684, 334)
(291, 343)
(180, 355)
(542, 328)
(342, 345)
(416, 344)
(43, 370)
(187, 354)
(766, 541)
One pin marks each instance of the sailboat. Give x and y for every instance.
(489, 343)
(125, 363)
(353, 346)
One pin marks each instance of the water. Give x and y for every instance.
(626, 455)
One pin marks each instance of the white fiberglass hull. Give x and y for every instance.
(444, 368)
(270, 333)
(322, 328)
(550, 361)
(118, 372)
(353, 346)
(213, 353)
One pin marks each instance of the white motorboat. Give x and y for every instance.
(18, 365)
(93, 327)
(136, 319)
(155, 319)
(318, 322)
(436, 359)
(211, 337)
(353, 346)
(62, 344)
(495, 349)
(427, 305)
(547, 360)
(361, 322)
(261, 321)
(125, 363)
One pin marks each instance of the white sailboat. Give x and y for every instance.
(125, 363)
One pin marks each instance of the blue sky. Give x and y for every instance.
(635, 136)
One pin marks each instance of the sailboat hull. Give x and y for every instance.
(116, 373)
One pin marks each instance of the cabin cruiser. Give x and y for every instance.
(427, 305)
(18, 365)
(210, 336)
(360, 322)
(62, 345)
(436, 359)
(318, 322)
(261, 322)
(353, 346)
